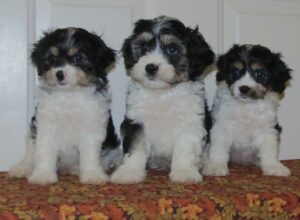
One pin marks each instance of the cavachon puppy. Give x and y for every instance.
(164, 124)
(72, 129)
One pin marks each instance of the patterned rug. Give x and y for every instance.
(244, 194)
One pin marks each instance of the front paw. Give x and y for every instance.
(276, 169)
(128, 175)
(20, 170)
(93, 177)
(42, 178)
(185, 175)
(211, 168)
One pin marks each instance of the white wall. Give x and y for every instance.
(273, 23)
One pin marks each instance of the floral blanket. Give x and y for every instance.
(244, 194)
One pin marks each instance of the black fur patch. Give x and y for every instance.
(111, 140)
(129, 130)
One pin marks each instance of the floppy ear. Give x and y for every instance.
(105, 56)
(281, 74)
(221, 64)
(127, 53)
(37, 53)
(199, 53)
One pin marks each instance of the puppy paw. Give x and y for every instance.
(127, 175)
(276, 169)
(93, 177)
(215, 169)
(185, 175)
(20, 171)
(42, 178)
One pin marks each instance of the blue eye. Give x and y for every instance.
(260, 74)
(172, 50)
(236, 72)
(77, 58)
(145, 46)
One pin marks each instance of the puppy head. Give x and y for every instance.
(70, 57)
(162, 52)
(251, 71)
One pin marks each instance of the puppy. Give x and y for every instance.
(165, 112)
(72, 123)
(251, 81)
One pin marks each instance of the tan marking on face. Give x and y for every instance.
(256, 66)
(50, 77)
(54, 51)
(238, 65)
(146, 36)
(83, 78)
(169, 39)
(72, 51)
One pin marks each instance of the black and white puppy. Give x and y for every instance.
(251, 81)
(72, 124)
(164, 122)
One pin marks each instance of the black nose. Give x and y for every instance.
(60, 75)
(244, 89)
(151, 69)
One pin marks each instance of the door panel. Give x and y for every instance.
(13, 81)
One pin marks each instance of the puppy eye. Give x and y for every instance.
(261, 74)
(52, 58)
(236, 72)
(172, 49)
(77, 58)
(145, 46)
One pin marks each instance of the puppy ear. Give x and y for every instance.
(199, 53)
(127, 53)
(221, 64)
(105, 56)
(37, 52)
(224, 60)
(281, 74)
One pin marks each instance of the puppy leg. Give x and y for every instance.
(186, 159)
(133, 168)
(24, 167)
(218, 152)
(45, 158)
(268, 146)
(90, 168)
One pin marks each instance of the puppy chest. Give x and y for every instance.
(73, 111)
(166, 118)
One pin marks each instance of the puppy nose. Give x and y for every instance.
(244, 89)
(151, 69)
(60, 75)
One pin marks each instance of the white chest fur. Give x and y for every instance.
(244, 120)
(167, 115)
(72, 113)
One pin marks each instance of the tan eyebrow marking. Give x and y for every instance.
(72, 51)
(256, 66)
(54, 51)
(238, 65)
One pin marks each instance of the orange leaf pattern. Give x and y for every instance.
(244, 194)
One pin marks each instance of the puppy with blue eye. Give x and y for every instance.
(72, 129)
(251, 82)
(164, 126)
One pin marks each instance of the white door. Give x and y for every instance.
(13, 80)
(275, 24)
